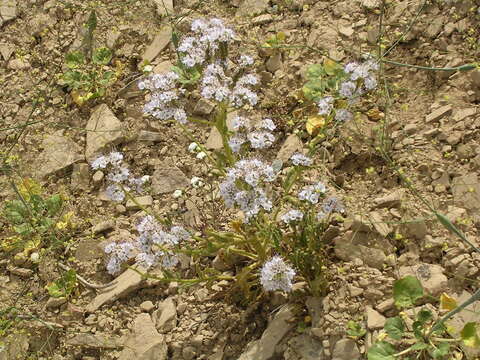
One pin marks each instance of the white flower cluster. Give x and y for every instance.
(291, 216)
(361, 80)
(217, 85)
(165, 96)
(242, 186)
(119, 176)
(325, 105)
(259, 136)
(157, 245)
(208, 35)
(311, 193)
(299, 159)
(119, 254)
(330, 204)
(276, 275)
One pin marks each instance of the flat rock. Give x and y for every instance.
(264, 348)
(379, 224)
(139, 202)
(165, 318)
(96, 341)
(291, 145)
(349, 251)
(164, 7)
(466, 192)
(391, 200)
(160, 42)
(439, 113)
(14, 347)
(169, 179)
(345, 349)
(88, 249)
(304, 347)
(126, 283)
(214, 141)
(103, 130)
(375, 320)
(6, 50)
(144, 342)
(464, 113)
(150, 136)
(59, 154)
(163, 67)
(103, 226)
(431, 277)
(8, 10)
(252, 7)
(80, 179)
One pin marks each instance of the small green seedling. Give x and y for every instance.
(65, 286)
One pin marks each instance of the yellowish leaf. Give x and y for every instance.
(375, 114)
(447, 302)
(315, 124)
(330, 66)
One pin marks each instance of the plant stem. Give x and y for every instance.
(448, 315)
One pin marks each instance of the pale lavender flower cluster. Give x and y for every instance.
(299, 159)
(218, 86)
(120, 178)
(361, 79)
(291, 216)
(330, 204)
(157, 245)
(277, 275)
(242, 186)
(311, 193)
(325, 105)
(208, 35)
(165, 97)
(259, 136)
(119, 254)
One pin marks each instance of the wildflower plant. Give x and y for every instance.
(35, 219)
(278, 239)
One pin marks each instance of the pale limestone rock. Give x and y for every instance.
(375, 320)
(144, 342)
(103, 130)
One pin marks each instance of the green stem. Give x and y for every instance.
(221, 125)
(450, 314)
(465, 67)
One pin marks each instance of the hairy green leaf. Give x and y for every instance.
(395, 328)
(74, 59)
(407, 291)
(381, 350)
(469, 335)
(102, 56)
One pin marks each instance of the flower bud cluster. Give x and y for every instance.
(157, 245)
(243, 186)
(276, 275)
(208, 36)
(120, 178)
(165, 97)
(258, 136)
(360, 79)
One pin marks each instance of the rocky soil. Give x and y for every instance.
(433, 132)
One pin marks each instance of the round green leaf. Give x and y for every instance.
(395, 328)
(407, 291)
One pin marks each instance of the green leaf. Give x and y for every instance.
(73, 79)
(315, 71)
(381, 350)
(355, 329)
(418, 329)
(395, 328)
(15, 211)
(424, 316)
(419, 346)
(74, 59)
(331, 67)
(107, 78)
(407, 291)
(64, 286)
(469, 335)
(54, 204)
(102, 56)
(441, 351)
